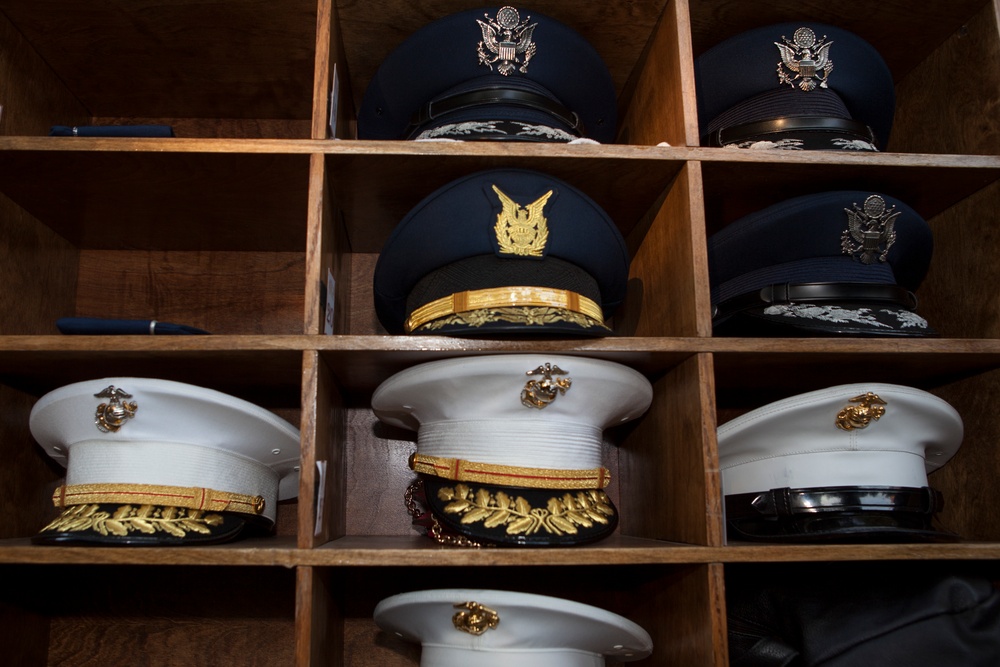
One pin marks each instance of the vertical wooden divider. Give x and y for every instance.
(662, 97)
(319, 624)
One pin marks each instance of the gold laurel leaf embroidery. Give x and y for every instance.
(560, 516)
(563, 524)
(498, 518)
(503, 500)
(519, 526)
(513, 314)
(115, 527)
(145, 519)
(477, 514)
(457, 506)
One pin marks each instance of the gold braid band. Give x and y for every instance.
(192, 498)
(489, 473)
(498, 297)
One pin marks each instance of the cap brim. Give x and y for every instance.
(840, 319)
(510, 516)
(146, 525)
(846, 527)
(516, 321)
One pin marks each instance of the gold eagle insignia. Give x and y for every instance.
(521, 230)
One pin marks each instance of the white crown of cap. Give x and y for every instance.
(181, 435)
(796, 443)
(532, 631)
(470, 408)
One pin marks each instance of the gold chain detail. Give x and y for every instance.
(146, 519)
(460, 470)
(561, 515)
(435, 531)
(528, 315)
(193, 498)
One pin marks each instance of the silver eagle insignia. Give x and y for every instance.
(805, 60)
(506, 39)
(869, 233)
(539, 393)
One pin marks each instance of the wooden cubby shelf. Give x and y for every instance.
(265, 201)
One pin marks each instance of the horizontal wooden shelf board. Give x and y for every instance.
(360, 362)
(256, 551)
(417, 551)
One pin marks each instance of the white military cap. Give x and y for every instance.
(489, 628)
(509, 446)
(152, 461)
(847, 462)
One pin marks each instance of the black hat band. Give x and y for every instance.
(494, 96)
(770, 129)
(786, 501)
(816, 292)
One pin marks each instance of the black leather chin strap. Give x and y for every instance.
(820, 500)
(761, 130)
(816, 293)
(490, 96)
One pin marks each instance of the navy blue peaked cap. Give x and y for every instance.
(461, 77)
(506, 251)
(840, 82)
(833, 263)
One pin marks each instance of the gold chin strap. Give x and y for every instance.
(193, 498)
(500, 297)
(488, 473)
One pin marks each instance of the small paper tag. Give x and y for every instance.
(334, 100)
(331, 292)
(320, 495)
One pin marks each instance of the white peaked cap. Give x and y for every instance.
(796, 442)
(181, 435)
(470, 408)
(531, 630)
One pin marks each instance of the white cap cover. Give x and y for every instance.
(140, 437)
(796, 442)
(510, 446)
(517, 629)
(848, 463)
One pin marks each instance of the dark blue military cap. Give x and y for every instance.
(778, 87)
(491, 74)
(835, 263)
(502, 251)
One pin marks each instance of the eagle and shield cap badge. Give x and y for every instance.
(776, 87)
(502, 252)
(841, 263)
(491, 74)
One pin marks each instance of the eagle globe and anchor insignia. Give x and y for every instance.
(539, 393)
(111, 416)
(869, 233)
(805, 60)
(506, 38)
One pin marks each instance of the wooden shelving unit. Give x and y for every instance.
(238, 224)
